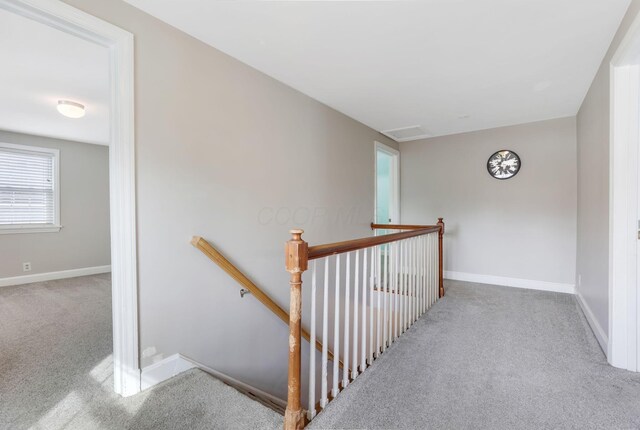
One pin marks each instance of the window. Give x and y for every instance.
(29, 189)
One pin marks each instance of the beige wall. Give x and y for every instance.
(524, 227)
(593, 185)
(84, 213)
(221, 149)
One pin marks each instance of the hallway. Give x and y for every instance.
(493, 358)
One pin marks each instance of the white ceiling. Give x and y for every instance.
(41, 65)
(447, 65)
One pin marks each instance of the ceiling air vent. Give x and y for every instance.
(406, 134)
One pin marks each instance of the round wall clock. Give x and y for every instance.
(503, 164)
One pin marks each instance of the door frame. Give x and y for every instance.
(124, 279)
(395, 180)
(623, 346)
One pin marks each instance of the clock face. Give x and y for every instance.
(503, 164)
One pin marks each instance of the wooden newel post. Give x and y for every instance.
(440, 257)
(296, 262)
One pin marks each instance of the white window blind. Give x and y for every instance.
(27, 186)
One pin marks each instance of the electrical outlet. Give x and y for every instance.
(579, 280)
(26, 267)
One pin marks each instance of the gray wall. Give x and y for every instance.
(593, 185)
(524, 227)
(84, 213)
(248, 160)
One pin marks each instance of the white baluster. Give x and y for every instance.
(325, 332)
(398, 270)
(427, 271)
(312, 347)
(363, 344)
(384, 285)
(434, 265)
(412, 280)
(418, 279)
(436, 269)
(371, 282)
(423, 272)
(356, 288)
(417, 267)
(403, 264)
(433, 274)
(409, 280)
(416, 312)
(345, 367)
(335, 388)
(416, 285)
(379, 297)
(430, 269)
(407, 284)
(425, 251)
(390, 294)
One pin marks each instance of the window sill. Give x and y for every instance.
(16, 229)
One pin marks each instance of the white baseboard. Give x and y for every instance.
(511, 282)
(178, 363)
(601, 336)
(50, 276)
(163, 370)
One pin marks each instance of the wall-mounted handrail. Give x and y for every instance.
(217, 257)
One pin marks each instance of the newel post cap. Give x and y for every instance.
(296, 252)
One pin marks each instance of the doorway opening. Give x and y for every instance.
(623, 347)
(122, 212)
(387, 193)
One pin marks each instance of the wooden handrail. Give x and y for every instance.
(320, 251)
(399, 226)
(215, 256)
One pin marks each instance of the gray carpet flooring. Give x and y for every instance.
(56, 370)
(487, 357)
(483, 357)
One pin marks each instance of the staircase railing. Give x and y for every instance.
(439, 224)
(396, 278)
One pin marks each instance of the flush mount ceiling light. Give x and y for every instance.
(70, 109)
